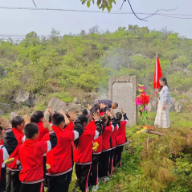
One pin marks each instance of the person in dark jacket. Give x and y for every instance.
(106, 104)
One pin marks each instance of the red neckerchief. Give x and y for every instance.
(18, 134)
(56, 129)
(30, 142)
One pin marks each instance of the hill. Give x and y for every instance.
(63, 66)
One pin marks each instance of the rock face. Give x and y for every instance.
(25, 97)
(4, 108)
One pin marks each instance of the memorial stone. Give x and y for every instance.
(123, 90)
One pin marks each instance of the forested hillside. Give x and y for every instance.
(58, 64)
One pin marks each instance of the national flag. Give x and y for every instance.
(157, 74)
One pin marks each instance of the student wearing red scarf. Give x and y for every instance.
(104, 163)
(31, 158)
(120, 137)
(83, 151)
(59, 158)
(37, 118)
(13, 139)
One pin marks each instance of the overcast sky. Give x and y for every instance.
(24, 21)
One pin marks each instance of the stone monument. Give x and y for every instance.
(123, 90)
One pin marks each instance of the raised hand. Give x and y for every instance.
(4, 123)
(109, 113)
(27, 119)
(50, 110)
(89, 107)
(72, 115)
(66, 118)
(46, 125)
(112, 112)
(122, 111)
(96, 116)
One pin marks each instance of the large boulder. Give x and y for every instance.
(56, 104)
(25, 97)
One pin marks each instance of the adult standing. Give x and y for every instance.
(162, 119)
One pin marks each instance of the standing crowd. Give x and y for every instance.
(37, 153)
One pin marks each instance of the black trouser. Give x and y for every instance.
(45, 170)
(118, 156)
(93, 177)
(59, 183)
(82, 173)
(112, 154)
(36, 187)
(3, 179)
(104, 164)
(13, 182)
(72, 162)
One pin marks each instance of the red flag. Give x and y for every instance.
(157, 74)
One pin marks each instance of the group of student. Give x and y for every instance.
(39, 153)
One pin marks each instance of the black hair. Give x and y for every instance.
(92, 111)
(83, 119)
(116, 104)
(30, 130)
(118, 118)
(84, 111)
(105, 118)
(119, 115)
(57, 119)
(164, 80)
(37, 115)
(96, 107)
(1, 129)
(17, 121)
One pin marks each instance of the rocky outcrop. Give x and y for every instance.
(4, 108)
(57, 105)
(24, 97)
